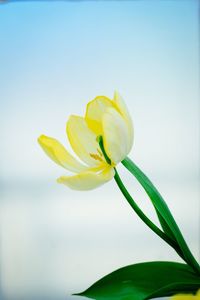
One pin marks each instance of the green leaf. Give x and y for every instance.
(165, 226)
(143, 217)
(144, 281)
(167, 221)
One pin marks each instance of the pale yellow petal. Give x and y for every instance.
(83, 141)
(94, 112)
(87, 180)
(59, 154)
(186, 297)
(121, 106)
(115, 135)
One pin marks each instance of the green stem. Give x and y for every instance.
(142, 216)
(163, 209)
(173, 237)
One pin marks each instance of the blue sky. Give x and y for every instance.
(56, 56)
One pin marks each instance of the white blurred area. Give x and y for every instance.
(54, 241)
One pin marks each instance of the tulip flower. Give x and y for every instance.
(100, 140)
(106, 120)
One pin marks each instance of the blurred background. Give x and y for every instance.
(54, 57)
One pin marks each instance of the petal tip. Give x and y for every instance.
(116, 94)
(59, 180)
(41, 138)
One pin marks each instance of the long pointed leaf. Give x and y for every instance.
(144, 218)
(165, 226)
(163, 210)
(144, 281)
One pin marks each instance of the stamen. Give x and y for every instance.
(96, 156)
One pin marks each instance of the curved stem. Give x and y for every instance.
(142, 216)
(163, 209)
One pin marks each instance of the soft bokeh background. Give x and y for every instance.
(54, 58)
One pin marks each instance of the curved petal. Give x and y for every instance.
(59, 154)
(94, 112)
(83, 141)
(121, 106)
(115, 136)
(87, 180)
